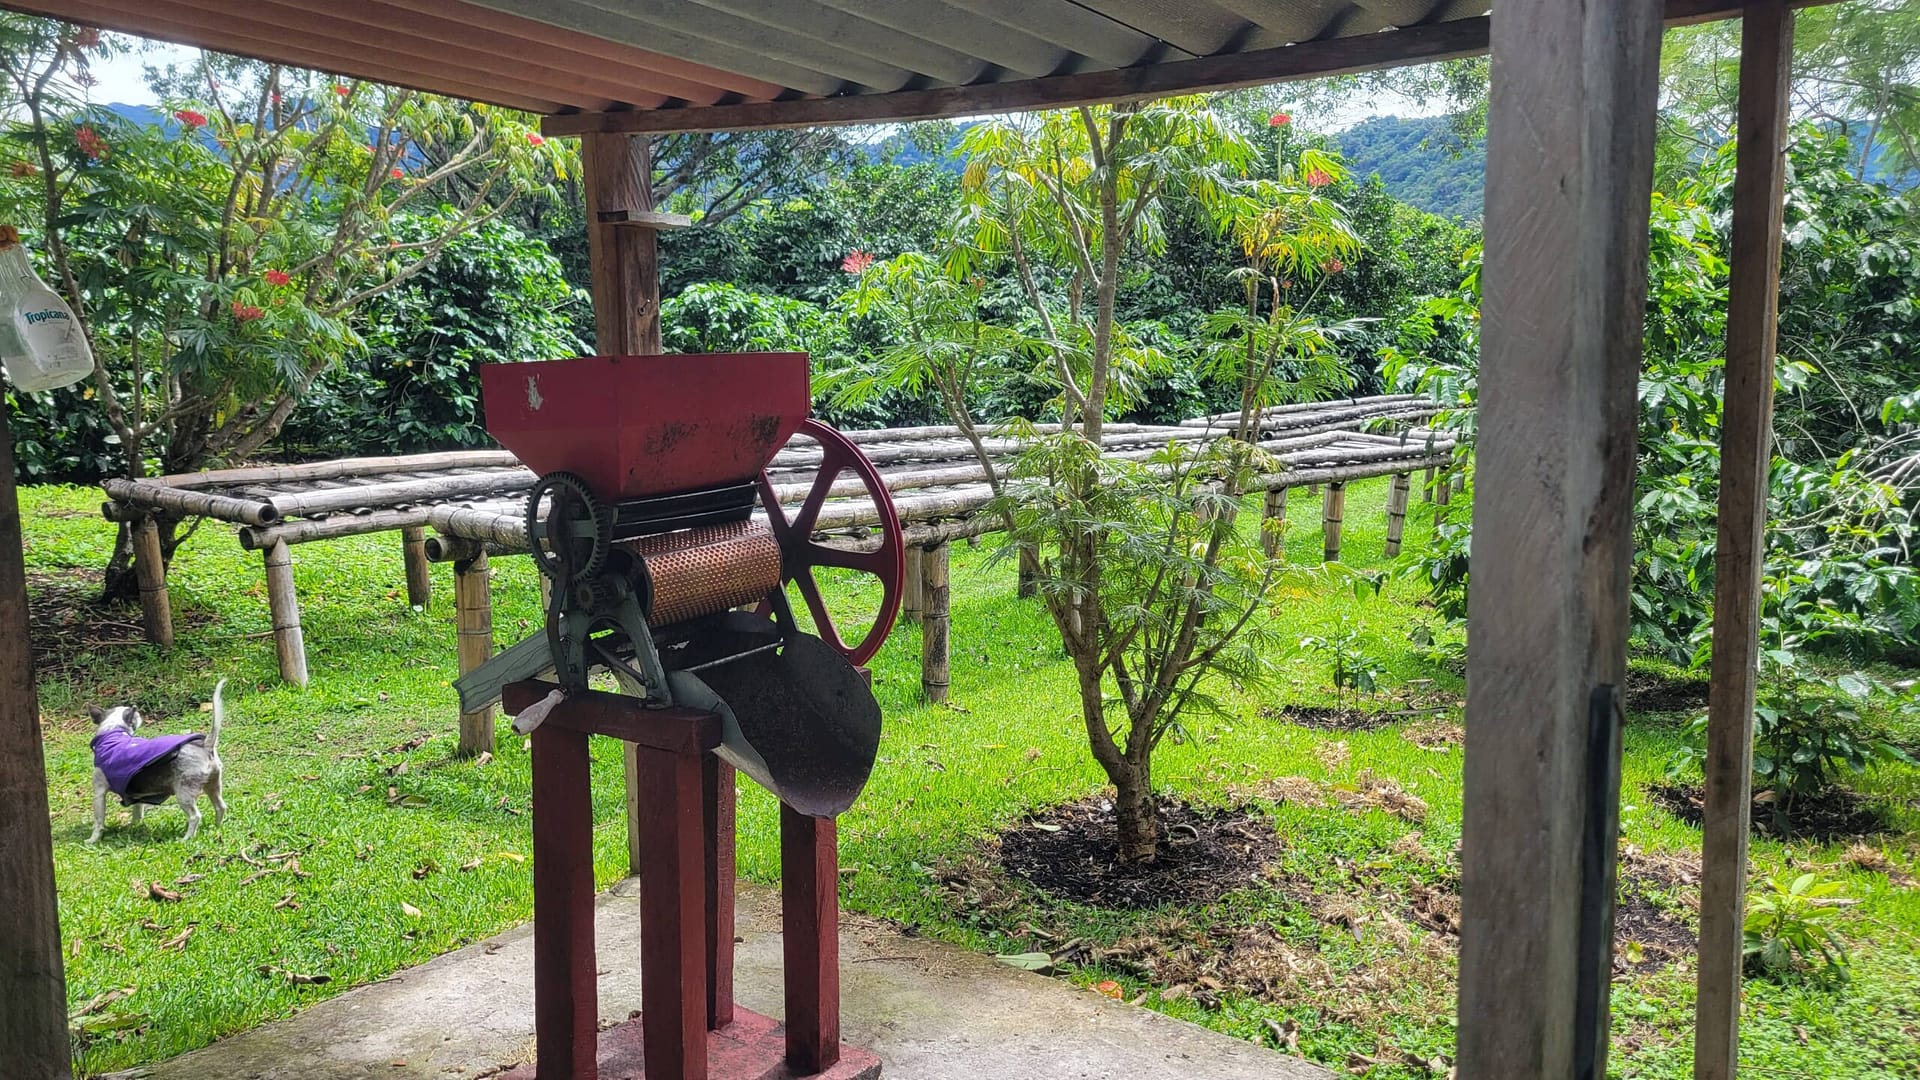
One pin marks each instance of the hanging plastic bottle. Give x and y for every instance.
(41, 343)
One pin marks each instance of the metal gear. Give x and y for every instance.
(584, 524)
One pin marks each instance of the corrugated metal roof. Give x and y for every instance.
(679, 64)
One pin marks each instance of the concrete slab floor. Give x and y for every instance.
(929, 1010)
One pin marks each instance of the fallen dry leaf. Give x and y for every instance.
(1109, 988)
(485, 756)
(100, 1001)
(288, 903)
(160, 892)
(188, 879)
(178, 942)
(409, 910)
(471, 864)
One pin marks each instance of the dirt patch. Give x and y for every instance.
(1651, 693)
(1833, 814)
(1329, 718)
(67, 619)
(1071, 852)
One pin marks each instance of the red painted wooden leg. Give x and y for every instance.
(717, 803)
(673, 905)
(810, 913)
(566, 996)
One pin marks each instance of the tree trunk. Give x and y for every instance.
(119, 583)
(1135, 813)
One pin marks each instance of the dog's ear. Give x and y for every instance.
(94, 713)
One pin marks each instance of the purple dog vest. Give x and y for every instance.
(121, 755)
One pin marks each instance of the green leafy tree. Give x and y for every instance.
(217, 264)
(1150, 583)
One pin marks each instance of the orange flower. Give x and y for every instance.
(1333, 266)
(191, 119)
(1318, 178)
(1279, 119)
(534, 139)
(246, 312)
(396, 173)
(342, 89)
(277, 277)
(856, 262)
(90, 143)
(22, 169)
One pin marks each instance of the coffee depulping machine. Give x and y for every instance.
(668, 553)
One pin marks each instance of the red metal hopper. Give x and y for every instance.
(638, 426)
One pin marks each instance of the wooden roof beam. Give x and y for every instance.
(1229, 71)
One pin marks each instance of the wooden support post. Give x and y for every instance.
(913, 603)
(1397, 512)
(1029, 559)
(623, 258)
(150, 570)
(718, 803)
(1569, 179)
(1459, 482)
(1746, 429)
(810, 925)
(473, 615)
(33, 984)
(565, 975)
(1332, 515)
(935, 661)
(1443, 488)
(1426, 485)
(1273, 524)
(413, 547)
(673, 887)
(624, 268)
(284, 606)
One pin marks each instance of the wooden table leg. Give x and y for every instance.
(810, 915)
(673, 906)
(566, 999)
(717, 790)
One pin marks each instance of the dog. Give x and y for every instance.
(144, 772)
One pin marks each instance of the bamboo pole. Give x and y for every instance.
(1753, 291)
(413, 548)
(473, 612)
(1426, 485)
(1029, 560)
(150, 569)
(1443, 488)
(284, 605)
(913, 603)
(1397, 512)
(1273, 523)
(154, 496)
(935, 660)
(333, 527)
(400, 492)
(337, 468)
(1333, 513)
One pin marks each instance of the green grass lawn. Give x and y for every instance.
(359, 846)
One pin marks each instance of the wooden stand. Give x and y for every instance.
(1397, 513)
(1333, 514)
(691, 1029)
(150, 570)
(285, 607)
(413, 546)
(935, 660)
(473, 603)
(1273, 531)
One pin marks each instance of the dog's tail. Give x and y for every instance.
(219, 714)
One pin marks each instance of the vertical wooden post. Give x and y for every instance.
(1569, 177)
(1332, 515)
(413, 548)
(33, 984)
(1029, 571)
(150, 570)
(1426, 485)
(913, 604)
(1397, 512)
(1746, 429)
(623, 258)
(284, 606)
(473, 614)
(810, 925)
(624, 267)
(1273, 524)
(718, 803)
(935, 663)
(1443, 488)
(673, 887)
(565, 975)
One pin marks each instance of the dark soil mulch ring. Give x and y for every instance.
(1324, 718)
(1834, 814)
(1662, 935)
(1649, 693)
(1071, 852)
